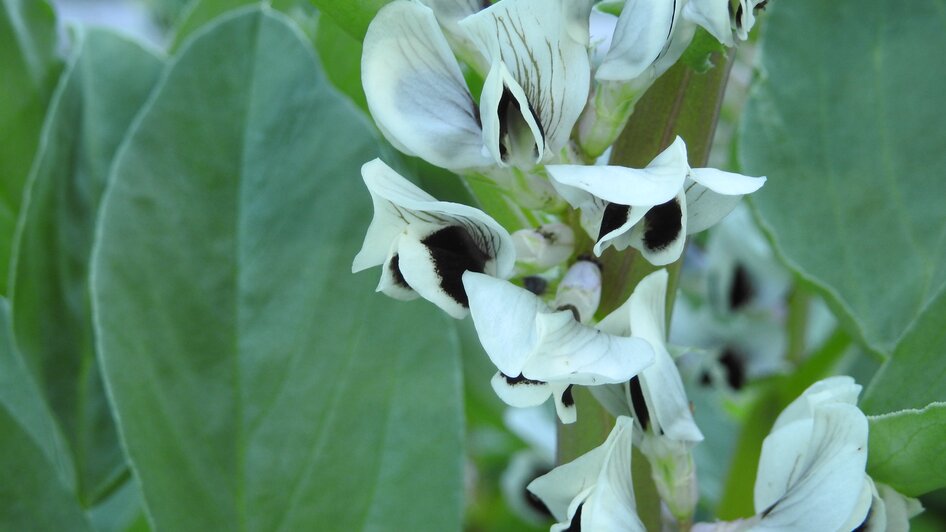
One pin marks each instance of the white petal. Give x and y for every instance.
(551, 67)
(658, 183)
(419, 269)
(864, 510)
(392, 285)
(545, 246)
(577, 17)
(712, 15)
(570, 352)
(661, 235)
(558, 488)
(819, 488)
(706, 208)
(415, 90)
(643, 30)
(504, 317)
(564, 403)
(388, 190)
(728, 183)
(522, 394)
(898, 508)
(610, 507)
(613, 397)
(837, 389)
(580, 288)
(663, 389)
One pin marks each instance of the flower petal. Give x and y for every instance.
(511, 132)
(662, 387)
(415, 90)
(811, 472)
(564, 403)
(388, 190)
(728, 183)
(658, 183)
(597, 482)
(713, 15)
(661, 235)
(643, 31)
(533, 38)
(504, 317)
(837, 389)
(570, 352)
(392, 281)
(520, 392)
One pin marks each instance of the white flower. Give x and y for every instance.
(540, 351)
(652, 209)
(651, 35)
(656, 398)
(594, 492)
(811, 470)
(425, 245)
(536, 86)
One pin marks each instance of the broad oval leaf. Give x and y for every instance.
(258, 384)
(351, 15)
(106, 82)
(850, 135)
(29, 65)
(907, 449)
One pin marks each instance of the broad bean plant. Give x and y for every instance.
(666, 265)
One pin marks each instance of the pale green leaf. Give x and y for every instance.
(849, 132)
(916, 372)
(36, 475)
(107, 81)
(29, 70)
(907, 449)
(259, 384)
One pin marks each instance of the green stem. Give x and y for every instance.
(798, 304)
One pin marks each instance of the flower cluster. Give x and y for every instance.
(517, 93)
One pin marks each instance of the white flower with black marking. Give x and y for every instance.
(651, 35)
(811, 470)
(425, 245)
(536, 86)
(594, 492)
(541, 351)
(652, 209)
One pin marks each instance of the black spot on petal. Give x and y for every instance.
(535, 284)
(567, 398)
(734, 364)
(637, 401)
(454, 251)
(662, 225)
(742, 289)
(575, 525)
(519, 379)
(615, 215)
(396, 272)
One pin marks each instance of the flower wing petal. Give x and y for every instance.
(611, 506)
(661, 384)
(415, 90)
(712, 15)
(504, 317)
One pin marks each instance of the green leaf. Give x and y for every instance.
(36, 476)
(353, 16)
(915, 373)
(341, 57)
(106, 83)
(29, 66)
(200, 12)
(850, 136)
(259, 385)
(907, 449)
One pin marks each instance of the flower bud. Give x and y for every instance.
(545, 246)
(580, 289)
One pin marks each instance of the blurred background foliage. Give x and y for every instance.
(182, 345)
